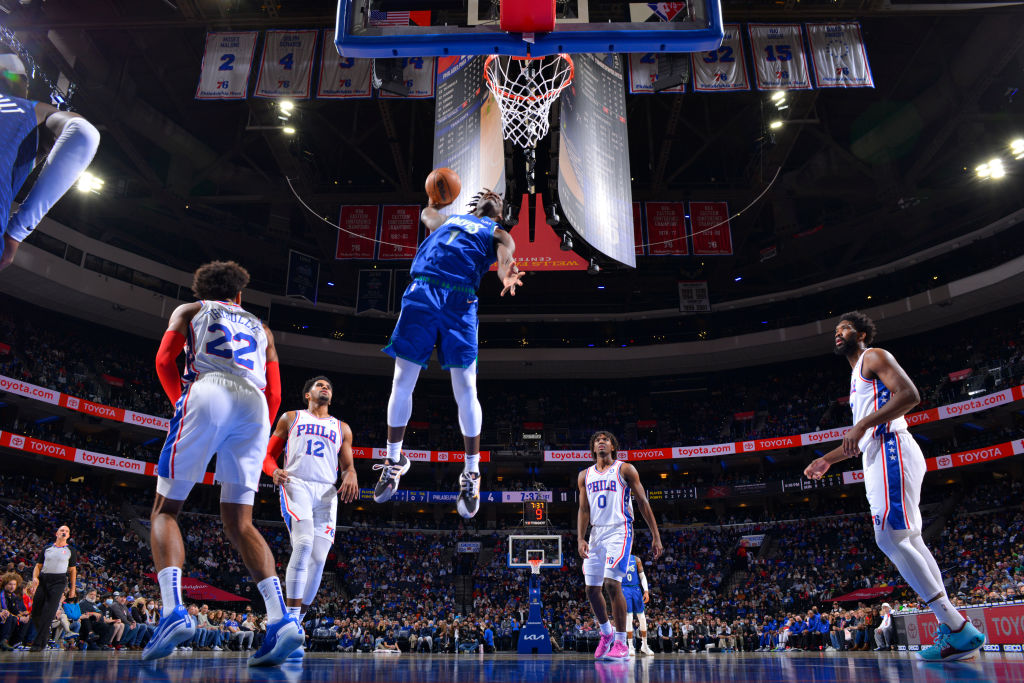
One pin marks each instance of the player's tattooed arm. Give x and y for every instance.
(508, 273)
(582, 516)
(632, 478)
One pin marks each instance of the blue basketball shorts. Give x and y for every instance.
(634, 599)
(436, 314)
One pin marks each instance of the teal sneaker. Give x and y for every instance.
(953, 645)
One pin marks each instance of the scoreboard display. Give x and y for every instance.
(535, 513)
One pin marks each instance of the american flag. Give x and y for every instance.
(379, 18)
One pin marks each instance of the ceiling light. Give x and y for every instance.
(778, 95)
(995, 168)
(286, 106)
(983, 171)
(1017, 148)
(87, 182)
(775, 124)
(288, 130)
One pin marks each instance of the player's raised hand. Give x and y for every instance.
(349, 490)
(281, 477)
(584, 549)
(817, 468)
(512, 280)
(656, 548)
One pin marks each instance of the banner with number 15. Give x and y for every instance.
(287, 66)
(227, 61)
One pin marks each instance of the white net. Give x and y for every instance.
(525, 89)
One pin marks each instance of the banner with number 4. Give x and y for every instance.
(780, 62)
(227, 61)
(287, 66)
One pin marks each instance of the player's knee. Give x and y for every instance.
(888, 541)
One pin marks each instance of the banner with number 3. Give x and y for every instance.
(287, 66)
(780, 62)
(227, 61)
(342, 77)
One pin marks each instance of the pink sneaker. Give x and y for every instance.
(603, 645)
(618, 652)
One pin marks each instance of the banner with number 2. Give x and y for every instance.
(227, 61)
(287, 66)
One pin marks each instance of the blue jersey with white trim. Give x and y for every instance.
(632, 577)
(459, 252)
(19, 141)
(224, 337)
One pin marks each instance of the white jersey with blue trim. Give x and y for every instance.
(224, 337)
(867, 396)
(313, 445)
(609, 497)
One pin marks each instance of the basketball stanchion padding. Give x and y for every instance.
(528, 16)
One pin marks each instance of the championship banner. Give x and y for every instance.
(362, 221)
(638, 231)
(227, 60)
(724, 69)
(399, 225)
(303, 278)
(693, 296)
(342, 77)
(666, 228)
(643, 72)
(287, 66)
(418, 74)
(840, 60)
(373, 290)
(779, 59)
(710, 231)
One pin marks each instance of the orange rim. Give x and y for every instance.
(504, 93)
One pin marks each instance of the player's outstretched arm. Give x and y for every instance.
(632, 478)
(170, 346)
(582, 516)
(904, 396)
(276, 446)
(349, 489)
(819, 466)
(643, 580)
(508, 273)
(431, 217)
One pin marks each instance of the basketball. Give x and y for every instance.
(443, 186)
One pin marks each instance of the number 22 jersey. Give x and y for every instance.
(224, 337)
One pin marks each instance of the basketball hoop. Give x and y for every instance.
(535, 565)
(525, 88)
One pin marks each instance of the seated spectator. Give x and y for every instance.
(15, 621)
(883, 631)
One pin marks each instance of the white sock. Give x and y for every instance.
(394, 451)
(946, 613)
(273, 596)
(620, 637)
(170, 588)
(294, 611)
(629, 638)
(606, 628)
(472, 463)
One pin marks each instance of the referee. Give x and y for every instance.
(50, 576)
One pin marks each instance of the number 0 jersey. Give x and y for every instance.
(224, 337)
(609, 497)
(458, 252)
(632, 577)
(313, 445)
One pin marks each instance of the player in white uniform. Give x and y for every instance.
(232, 386)
(606, 490)
(881, 393)
(312, 441)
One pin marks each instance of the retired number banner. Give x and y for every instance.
(342, 77)
(643, 72)
(779, 59)
(287, 66)
(709, 222)
(840, 60)
(724, 69)
(399, 225)
(666, 228)
(361, 220)
(227, 60)
(418, 73)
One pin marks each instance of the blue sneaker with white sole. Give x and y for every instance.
(297, 654)
(953, 645)
(283, 637)
(173, 630)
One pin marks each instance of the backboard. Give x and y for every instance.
(522, 548)
(421, 28)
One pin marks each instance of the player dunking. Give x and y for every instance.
(881, 393)
(232, 386)
(439, 307)
(606, 506)
(309, 497)
(75, 144)
(636, 593)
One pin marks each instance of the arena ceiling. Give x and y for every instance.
(868, 176)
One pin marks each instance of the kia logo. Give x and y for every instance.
(535, 636)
